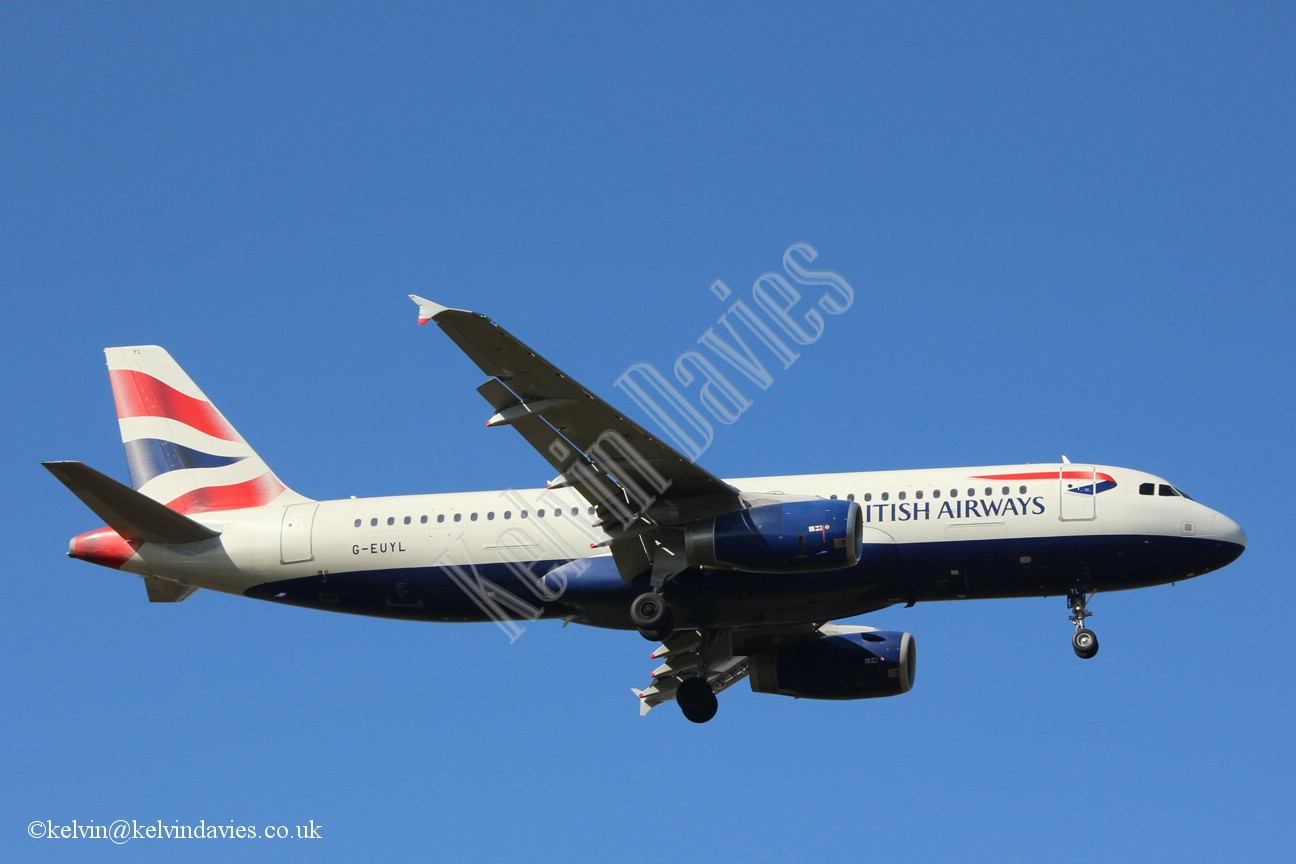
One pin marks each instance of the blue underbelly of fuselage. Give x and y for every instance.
(591, 591)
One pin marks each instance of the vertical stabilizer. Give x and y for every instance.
(180, 449)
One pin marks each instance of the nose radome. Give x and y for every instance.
(1229, 531)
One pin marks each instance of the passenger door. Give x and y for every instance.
(1077, 493)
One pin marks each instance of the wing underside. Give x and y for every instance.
(727, 656)
(680, 655)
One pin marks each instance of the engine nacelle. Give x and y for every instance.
(847, 666)
(824, 534)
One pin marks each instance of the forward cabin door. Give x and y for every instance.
(295, 536)
(1078, 493)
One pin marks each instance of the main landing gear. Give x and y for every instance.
(1085, 641)
(696, 699)
(651, 614)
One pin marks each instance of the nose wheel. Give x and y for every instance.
(1085, 641)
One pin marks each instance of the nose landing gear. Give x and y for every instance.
(1085, 641)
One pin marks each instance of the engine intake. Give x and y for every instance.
(846, 666)
(823, 534)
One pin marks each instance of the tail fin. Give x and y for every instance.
(180, 449)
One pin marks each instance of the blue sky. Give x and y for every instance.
(1069, 230)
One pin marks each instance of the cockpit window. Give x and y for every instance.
(1164, 490)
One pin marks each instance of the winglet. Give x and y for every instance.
(427, 309)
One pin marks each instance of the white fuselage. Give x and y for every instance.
(962, 509)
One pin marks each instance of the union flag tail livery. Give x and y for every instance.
(180, 449)
(737, 578)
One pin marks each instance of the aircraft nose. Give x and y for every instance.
(1230, 532)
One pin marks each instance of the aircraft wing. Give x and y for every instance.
(728, 656)
(645, 490)
(679, 651)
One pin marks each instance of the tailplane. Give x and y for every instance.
(180, 449)
(136, 518)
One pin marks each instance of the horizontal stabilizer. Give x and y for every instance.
(164, 591)
(134, 516)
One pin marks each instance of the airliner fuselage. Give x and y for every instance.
(934, 534)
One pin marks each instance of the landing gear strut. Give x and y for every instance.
(1085, 641)
(650, 613)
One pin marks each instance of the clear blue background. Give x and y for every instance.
(1069, 231)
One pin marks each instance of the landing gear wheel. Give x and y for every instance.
(1085, 643)
(651, 615)
(696, 699)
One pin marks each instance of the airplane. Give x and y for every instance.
(738, 578)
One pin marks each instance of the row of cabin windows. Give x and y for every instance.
(1145, 489)
(935, 493)
(472, 517)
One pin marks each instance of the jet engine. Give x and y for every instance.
(822, 534)
(845, 666)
